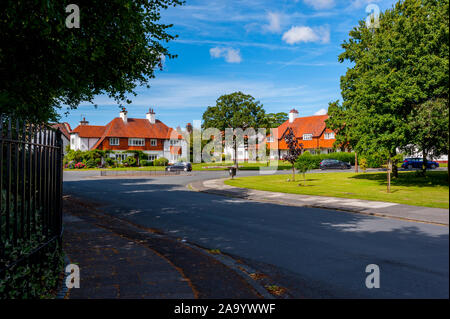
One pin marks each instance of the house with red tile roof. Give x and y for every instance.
(65, 130)
(124, 134)
(310, 131)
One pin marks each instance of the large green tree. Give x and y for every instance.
(234, 111)
(44, 64)
(429, 124)
(395, 67)
(273, 120)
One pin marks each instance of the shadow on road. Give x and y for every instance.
(316, 252)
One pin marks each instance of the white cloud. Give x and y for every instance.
(320, 4)
(321, 112)
(274, 25)
(356, 4)
(231, 55)
(305, 34)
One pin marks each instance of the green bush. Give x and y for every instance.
(109, 161)
(91, 163)
(162, 161)
(130, 161)
(363, 164)
(315, 159)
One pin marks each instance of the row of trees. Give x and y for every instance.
(395, 96)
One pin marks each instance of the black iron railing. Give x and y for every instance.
(30, 190)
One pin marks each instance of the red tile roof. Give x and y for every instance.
(89, 131)
(314, 125)
(64, 128)
(136, 128)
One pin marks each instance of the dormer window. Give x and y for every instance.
(136, 142)
(329, 136)
(307, 137)
(114, 141)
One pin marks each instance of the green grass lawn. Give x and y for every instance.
(242, 166)
(409, 188)
(145, 168)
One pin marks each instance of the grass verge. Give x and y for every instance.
(409, 188)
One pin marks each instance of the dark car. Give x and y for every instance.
(180, 166)
(414, 162)
(332, 163)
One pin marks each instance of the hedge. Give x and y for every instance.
(162, 161)
(317, 158)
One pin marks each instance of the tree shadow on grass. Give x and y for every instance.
(407, 179)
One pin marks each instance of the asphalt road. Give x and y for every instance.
(315, 253)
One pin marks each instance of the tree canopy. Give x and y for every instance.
(273, 120)
(396, 67)
(235, 110)
(44, 64)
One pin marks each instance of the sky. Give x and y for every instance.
(282, 52)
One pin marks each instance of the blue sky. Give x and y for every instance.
(283, 52)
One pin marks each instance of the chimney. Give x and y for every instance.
(84, 122)
(123, 115)
(293, 114)
(189, 128)
(151, 116)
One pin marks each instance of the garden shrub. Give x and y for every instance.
(79, 165)
(162, 161)
(130, 161)
(109, 161)
(315, 159)
(91, 163)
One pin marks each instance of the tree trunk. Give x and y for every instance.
(235, 155)
(356, 162)
(389, 168)
(424, 163)
(293, 173)
(395, 170)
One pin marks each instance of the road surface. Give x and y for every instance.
(314, 253)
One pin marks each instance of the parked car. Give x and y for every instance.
(410, 163)
(332, 163)
(180, 166)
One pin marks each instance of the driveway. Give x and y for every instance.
(314, 253)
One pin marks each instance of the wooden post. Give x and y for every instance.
(356, 162)
(389, 169)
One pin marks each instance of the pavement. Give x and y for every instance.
(311, 252)
(375, 208)
(118, 260)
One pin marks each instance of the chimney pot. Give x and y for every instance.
(293, 114)
(123, 115)
(151, 116)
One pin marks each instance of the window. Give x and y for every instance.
(307, 137)
(114, 141)
(136, 142)
(153, 142)
(152, 157)
(329, 136)
(270, 139)
(120, 156)
(174, 142)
